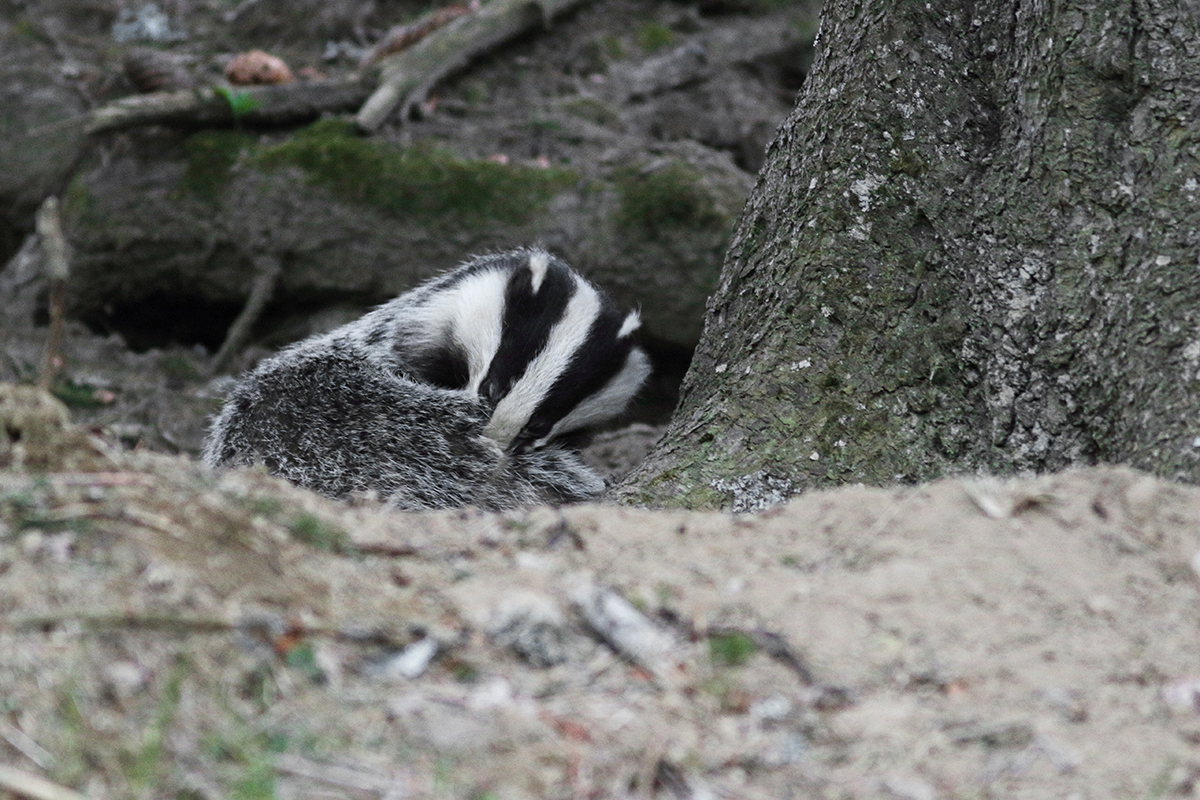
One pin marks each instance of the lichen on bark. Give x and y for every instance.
(971, 248)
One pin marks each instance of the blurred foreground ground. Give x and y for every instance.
(170, 632)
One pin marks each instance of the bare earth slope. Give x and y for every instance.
(166, 631)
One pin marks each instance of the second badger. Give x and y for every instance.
(462, 391)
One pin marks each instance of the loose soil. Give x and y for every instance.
(170, 631)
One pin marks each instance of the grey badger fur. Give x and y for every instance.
(462, 391)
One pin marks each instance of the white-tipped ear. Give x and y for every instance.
(631, 324)
(539, 262)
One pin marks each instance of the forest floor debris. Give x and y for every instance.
(168, 629)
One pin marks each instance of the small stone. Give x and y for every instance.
(1183, 695)
(124, 679)
(412, 660)
(532, 626)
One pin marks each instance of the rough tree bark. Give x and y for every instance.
(973, 246)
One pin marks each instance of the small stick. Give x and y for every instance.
(626, 629)
(20, 740)
(267, 268)
(27, 785)
(210, 106)
(49, 227)
(100, 479)
(92, 622)
(361, 778)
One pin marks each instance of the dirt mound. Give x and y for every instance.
(167, 630)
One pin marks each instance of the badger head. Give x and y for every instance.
(564, 359)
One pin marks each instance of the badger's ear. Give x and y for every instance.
(539, 262)
(632, 322)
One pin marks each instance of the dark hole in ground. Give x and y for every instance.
(164, 320)
(10, 241)
(159, 321)
(656, 402)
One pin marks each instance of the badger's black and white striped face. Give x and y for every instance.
(549, 351)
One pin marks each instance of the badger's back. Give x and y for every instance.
(325, 418)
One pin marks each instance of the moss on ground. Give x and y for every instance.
(316, 532)
(211, 157)
(654, 36)
(731, 649)
(419, 181)
(593, 110)
(669, 198)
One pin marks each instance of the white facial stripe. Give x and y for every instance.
(539, 262)
(471, 311)
(610, 400)
(631, 324)
(515, 409)
(477, 309)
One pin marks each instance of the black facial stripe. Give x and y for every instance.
(526, 324)
(597, 361)
(446, 366)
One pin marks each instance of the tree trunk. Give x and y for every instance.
(973, 246)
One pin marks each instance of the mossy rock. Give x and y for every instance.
(667, 199)
(421, 181)
(356, 221)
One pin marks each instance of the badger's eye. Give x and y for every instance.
(535, 430)
(494, 389)
(521, 444)
(490, 392)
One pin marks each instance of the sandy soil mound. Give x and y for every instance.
(168, 631)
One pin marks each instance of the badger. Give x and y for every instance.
(470, 389)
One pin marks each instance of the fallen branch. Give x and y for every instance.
(26, 746)
(408, 76)
(218, 105)
(627, 630)
(405, 80)
(358, 777)
(93, 622)
(97, 479)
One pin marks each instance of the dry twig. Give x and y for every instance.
(267, 268)
(24, 784)
(22, 742)
(49, 228)
(406, 77)
(100, 622)
(627, 630)
(358, 777)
